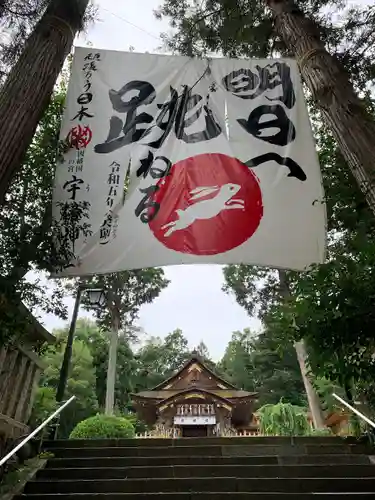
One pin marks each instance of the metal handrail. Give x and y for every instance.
(35, 432)
(366, 419)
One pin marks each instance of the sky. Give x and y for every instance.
(194, 301)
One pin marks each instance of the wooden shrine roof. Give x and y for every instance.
(195, 375)
(30, 329)
(195, 358)
(36, 331)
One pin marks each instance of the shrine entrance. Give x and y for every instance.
(194, 431)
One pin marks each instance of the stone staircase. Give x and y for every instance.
(205, 469)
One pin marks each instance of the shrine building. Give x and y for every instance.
(195, 402)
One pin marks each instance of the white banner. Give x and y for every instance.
(217, 156)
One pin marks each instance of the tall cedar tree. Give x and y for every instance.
(28, 88)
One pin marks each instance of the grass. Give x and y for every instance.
(14, 481)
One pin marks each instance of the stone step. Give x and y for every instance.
(90, 462)
(107, 461)
(324, 459)
(200, 496)
(200, 484)
(208, 450)
(182, 471)
(217, 441)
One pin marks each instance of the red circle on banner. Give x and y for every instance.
(79, 137)
(209, 204)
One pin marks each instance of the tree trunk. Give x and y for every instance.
(30, 83)
(300, 347)
(112, 362)
(344, 113)
(312, 396)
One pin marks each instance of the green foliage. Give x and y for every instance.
(18, 17)
(325, 388)
(87, 378)
(159, 358)
(139, 425)
(331, 303)
(25, 233)
(236, 363)
(129, 291)
(283, 419)
(97, 342)
(102, 427)
(81, 383)
(25, 216)
(206, 358)
(264, 364)
(251, 362)
(245, 28)
(44, 405)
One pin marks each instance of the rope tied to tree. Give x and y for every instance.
(58, 27)
(309, 55)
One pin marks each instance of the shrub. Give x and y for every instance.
(103, 426)
(283, 419)
(139, 425)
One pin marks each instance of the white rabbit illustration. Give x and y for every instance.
(206, 209)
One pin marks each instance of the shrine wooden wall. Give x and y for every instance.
(19, 373)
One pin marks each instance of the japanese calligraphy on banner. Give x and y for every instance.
(216, 157)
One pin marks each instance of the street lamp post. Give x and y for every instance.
(64, 371)
(96, 297)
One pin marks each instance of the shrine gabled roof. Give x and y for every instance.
(33, 331)
(192, 391)
(36, 331)
(195, 358)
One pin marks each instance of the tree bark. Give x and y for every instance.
(312, 396)
(301, 351)
(112, 360)
(343, 112)
(30, 83)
